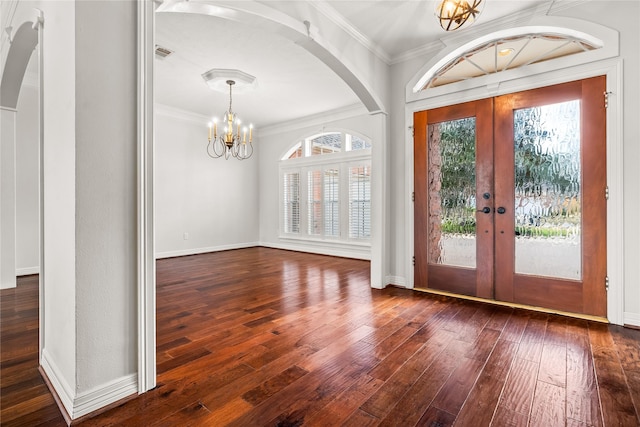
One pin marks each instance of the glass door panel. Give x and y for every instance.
(452, 192)
(548, 238)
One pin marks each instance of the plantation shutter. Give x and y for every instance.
(360, 202)
(291, 202)
(331, 203)
(314, 207)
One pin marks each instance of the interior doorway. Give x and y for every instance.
(510, 198)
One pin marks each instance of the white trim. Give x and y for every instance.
(632, 319)
(598, 34)
(61, 387)
(145, 252)
(380, 200)
(104, 395)
(27, 271)
(196, 251)
(615, 204)
(396, 281)
(426, 50)
(180, 114)
(96, 398)
(31, 79)
(559, 6)
(41, 277)
(343, 23)
(612, 68)
(320, 120)
(326, 159)
(310, 247)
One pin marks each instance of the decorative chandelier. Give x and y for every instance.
(230, 144)
(453, 14)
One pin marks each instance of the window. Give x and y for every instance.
(326, 188)
(327, 143)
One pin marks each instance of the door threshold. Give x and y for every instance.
(515, 305)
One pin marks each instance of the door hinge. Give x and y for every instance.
(606, 99)
(606, 282)
(413, 196)
(413, 131)
(606, 192)
(413, 260)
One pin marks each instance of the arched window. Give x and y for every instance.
(326, 188)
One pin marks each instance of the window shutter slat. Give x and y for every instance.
(360, 202)
(291, 202)
(331, 203)
(314, 208)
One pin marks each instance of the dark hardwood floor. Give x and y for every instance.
(259, 336)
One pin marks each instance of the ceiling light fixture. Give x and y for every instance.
(230, 144)
(453, 14)
(506, 51)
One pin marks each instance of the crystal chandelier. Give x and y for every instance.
(230, 144)
(453, 14)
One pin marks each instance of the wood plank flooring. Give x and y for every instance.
(264, 337)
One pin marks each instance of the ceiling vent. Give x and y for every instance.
(162, 52)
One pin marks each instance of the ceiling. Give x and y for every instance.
(291, 83)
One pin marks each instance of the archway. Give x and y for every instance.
(22, 46)
(300, 32)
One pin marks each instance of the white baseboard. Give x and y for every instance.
(88, 401)
(27, 271)
(320, 250)
(62, 388)
(396, 281)
(105, 394)
(196, 251)
(632, 319)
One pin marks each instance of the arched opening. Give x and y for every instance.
(22, 46)
(302, 34)
(21, 231)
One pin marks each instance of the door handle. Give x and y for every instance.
(501, 210)
(486, 210)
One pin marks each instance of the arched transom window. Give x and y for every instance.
(325, 184)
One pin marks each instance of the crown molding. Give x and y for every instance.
(178, 113)
(427, 49)
(560, 5)
(338, 19)
(315, 120)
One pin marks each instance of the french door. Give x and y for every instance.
(510, 198)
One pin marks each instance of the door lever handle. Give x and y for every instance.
(486, 210)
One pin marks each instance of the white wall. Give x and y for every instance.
(214, 201)
(59, 297)
(105, 194)
(27, 180)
